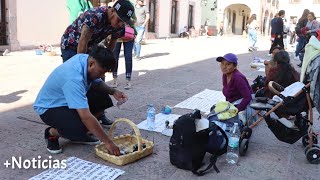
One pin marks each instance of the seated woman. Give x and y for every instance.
(280, 71)
(235, 84)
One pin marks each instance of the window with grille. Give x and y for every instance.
(174, 16)
(152, 12)
(190, 16)
(3, 23)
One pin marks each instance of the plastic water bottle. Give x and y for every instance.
(233, 145)
(151, 113)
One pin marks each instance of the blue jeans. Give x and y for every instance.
(137, 44)
(252, 38)
(127, 56)
(67, 54)
(301, 43)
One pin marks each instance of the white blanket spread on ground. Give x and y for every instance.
(80, 169)
(202, 101)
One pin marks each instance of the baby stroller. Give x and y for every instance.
(293, 108)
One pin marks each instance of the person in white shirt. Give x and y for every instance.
(252, 32)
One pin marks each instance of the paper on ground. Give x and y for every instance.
(202, 101)
(160, 122)
(80, 169)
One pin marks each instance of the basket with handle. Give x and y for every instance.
(126, 142)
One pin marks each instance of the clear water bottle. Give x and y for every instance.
(233, 145)
(151, 113)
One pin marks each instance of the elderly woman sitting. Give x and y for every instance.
(236, 87)
(280, 71)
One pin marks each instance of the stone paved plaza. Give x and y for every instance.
(171, 71)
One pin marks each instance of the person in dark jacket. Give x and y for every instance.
(272, 23)
(302, 22)
(278, 30)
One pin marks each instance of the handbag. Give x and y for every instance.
(128, 33)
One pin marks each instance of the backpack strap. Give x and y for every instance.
(214, 157)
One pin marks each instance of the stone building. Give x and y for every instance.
(233, 14)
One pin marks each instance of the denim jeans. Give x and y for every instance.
(67, 54)
(127, 56)
(301, 43)
(252, 38)
(138, 40)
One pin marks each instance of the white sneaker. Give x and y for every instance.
(296, 58)
(269, 55)
(128, 85)
(114, 83)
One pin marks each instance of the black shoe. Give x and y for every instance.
(104, 120)
(299, 65)
(89, 140)
(52, 142)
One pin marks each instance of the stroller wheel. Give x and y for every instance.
(313, 155)
(305, 139)
(307, 148)
(247, 132)
(244, 144)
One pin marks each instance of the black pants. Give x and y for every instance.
(67, 121)
(278, 41)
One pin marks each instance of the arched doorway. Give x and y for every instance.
(235, 19)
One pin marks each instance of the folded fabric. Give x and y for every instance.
(225, 110)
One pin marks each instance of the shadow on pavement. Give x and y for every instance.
(12, 97)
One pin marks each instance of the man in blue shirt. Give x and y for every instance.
(73, 96)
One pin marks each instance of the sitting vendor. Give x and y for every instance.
(280, 71)
(235, 84)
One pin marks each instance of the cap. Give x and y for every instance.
(124, 10)
(230, 57)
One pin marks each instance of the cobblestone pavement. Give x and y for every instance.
(171, 71)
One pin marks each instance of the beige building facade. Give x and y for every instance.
(29, 23)
(234, 14)
(294, 8)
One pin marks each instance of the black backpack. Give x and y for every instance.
(188, 147)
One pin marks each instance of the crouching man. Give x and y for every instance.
(73, 96)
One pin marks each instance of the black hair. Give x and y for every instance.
(104, 57)
(304, 16)
(281, 12)
(282, 57)
(312, 14)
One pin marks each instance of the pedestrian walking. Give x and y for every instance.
(252, 32)
(278, 30)
(142, 14)
(302, 22)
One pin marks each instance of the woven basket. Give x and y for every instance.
(126, 142)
